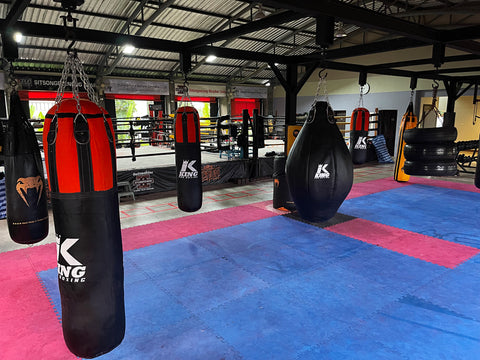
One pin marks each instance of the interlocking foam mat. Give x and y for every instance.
(396, 277)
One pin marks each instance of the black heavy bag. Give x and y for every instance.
(319, 166)
(359, 123)
(27, 213)
(82, 177)
(188, 159)
(477, 173)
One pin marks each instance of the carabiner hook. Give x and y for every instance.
(322, 77)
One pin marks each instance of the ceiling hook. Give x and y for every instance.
(435, 84)
(322, 77)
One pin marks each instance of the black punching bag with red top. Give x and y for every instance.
(319, 167)
(27, 211)
(188, 159)
(359, 123)
(81, 167)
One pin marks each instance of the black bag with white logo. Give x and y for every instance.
(359, 123)
(319, 167)
(90, 271)
(27, 212)
(188, 159)
(81, 166)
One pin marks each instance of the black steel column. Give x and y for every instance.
(291, 95)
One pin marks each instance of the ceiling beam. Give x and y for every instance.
(109, 38)
(359, 16)
(269, 21)
(372, 48)
(422, 62)
(464, 33)
(16, 10)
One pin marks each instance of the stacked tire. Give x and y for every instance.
(430, 151)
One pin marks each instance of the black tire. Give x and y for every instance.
(430, 135)
(436, 168)
(430, 152)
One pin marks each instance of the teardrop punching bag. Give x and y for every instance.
(188, 159)
(27, 211)
(358, 135)
(319, 167)
(81, 167)
(409, 121)
(477, 173)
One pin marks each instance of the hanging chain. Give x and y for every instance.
(92, 95)
(186, 96)
(360, 100)
(435, 86)
(74, 68)
(322, 87)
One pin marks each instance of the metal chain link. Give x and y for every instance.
(322, 85)
(63, 80)
(74, 68)
(360, 100)
(92, 95)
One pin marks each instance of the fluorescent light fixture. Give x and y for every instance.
(18, 37)
(340, 32)
(128, 49)
(211, 58)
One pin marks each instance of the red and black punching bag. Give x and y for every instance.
(188, 159)
(319, 167)
(81, 170)
(27, 211)
(358, 135)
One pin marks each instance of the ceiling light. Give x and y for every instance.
(340, 32)
(18, 37)
(267, 83)
(128, 49)
(211, 58)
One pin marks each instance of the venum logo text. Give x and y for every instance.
(361, 143)
(70, 269)
(187, 170)
(322, 172)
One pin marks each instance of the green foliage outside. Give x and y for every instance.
(124, 110)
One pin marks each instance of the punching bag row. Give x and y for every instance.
(188, 159)
(27, 212)
(359, 123)
(81, 164)
(409, 121)
(319, 167)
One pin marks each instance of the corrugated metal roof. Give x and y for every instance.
(187, 20)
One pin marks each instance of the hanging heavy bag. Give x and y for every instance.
(27, 211)
(477, 172)
(359, 123)
(319, 167)
(409, 121)
(81, 169)
(188, 159)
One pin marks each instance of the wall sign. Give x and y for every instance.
(249, 92)
(141, 87)
(200, 90)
